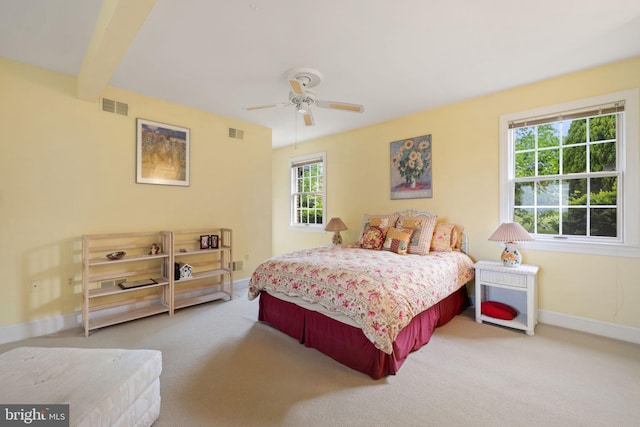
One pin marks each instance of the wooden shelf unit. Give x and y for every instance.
(212, 275)
(104, 302)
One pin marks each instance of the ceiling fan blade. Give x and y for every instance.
(308, 118)
(296, 86)
(260, 107)
(335, 105)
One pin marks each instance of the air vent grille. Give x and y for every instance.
(236, 133)
(115, 107)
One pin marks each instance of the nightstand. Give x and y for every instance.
(492, 274)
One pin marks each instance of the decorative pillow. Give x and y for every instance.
(373, 238)
(381, 221)
(456, 237)
(398, 240)
(423, 227)
(498, 310)
(442, 237)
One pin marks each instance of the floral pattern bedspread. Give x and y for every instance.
(380, 290)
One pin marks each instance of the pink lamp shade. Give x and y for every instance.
(509, 233)
(336, 225)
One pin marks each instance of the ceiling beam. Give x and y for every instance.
(116, 28)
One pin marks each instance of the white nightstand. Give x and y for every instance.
(491, 274)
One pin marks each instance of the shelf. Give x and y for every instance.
(518, 322)
(133, 258)
(186, 301)
(113, 319)
(203, 275)
(114, 290)
(120, 305)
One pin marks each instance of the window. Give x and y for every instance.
(568, 174)
(308, 192)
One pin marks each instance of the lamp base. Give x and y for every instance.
(337, 238)
(510, 256)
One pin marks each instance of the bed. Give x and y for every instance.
(370, 303)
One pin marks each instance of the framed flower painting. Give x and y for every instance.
(411, 168)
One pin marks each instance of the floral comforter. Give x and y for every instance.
(380, 290)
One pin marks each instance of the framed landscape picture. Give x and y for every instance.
(162, 154)
(411, 168)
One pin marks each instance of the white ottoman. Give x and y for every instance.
(103, 387)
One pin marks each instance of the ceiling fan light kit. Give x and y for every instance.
(301, 80)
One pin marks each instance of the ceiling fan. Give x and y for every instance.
(301, 80)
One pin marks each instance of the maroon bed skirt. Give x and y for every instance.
(347, 344)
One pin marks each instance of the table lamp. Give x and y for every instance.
(336, 225)
(509, 233)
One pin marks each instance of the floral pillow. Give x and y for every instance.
(373, 238)
(442, 238)
(456, 237)
(398, 240)
(423, 227)
(381, 221)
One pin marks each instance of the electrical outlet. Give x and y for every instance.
(70, 280)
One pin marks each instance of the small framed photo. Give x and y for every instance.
(204, 242)
(213, 241)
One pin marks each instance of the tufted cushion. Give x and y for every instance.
(498, 310)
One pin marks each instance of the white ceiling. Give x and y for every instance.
(394, 57)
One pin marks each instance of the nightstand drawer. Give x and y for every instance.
(510, 279)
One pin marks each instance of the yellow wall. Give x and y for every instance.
(465, 153)
(67, 168)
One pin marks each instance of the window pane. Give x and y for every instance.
(574, 221)
(603, 190)
(548, 192)
(576, 131)
(549, 135)
(603, 157)
(525, 138)
(574, 159)
(548, 221)
(574, 192)
(526, 218)
(525, 164)
(548, 162)
(604, 222)
(524, 193)
(602, 128)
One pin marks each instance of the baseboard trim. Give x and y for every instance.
(55, 324)
(591, 326)
(36, 328)
(51, 325)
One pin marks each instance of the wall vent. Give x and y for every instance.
(236, 133)
(115, 107)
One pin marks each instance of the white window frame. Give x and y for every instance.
(321, 157)
(629, 163)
